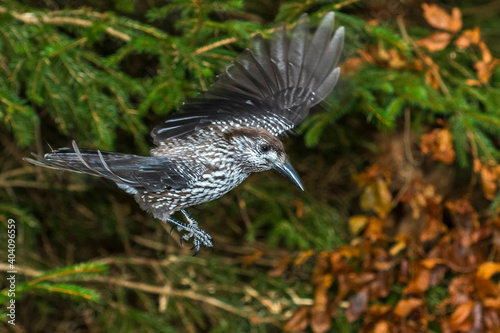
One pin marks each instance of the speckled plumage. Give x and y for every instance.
(216, 140)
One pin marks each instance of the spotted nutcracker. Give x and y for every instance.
(219, 138)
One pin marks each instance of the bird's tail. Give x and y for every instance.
(92, 162)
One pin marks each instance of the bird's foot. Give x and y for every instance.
(200, 237)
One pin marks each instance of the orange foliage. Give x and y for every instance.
(451, 243)
(439, 142)
(360, 276)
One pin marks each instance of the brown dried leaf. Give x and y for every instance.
(436, 41)
(251, 258)
(431, 262)
(381, 286)
(357, 305)
(382, 326)
(377, 310)
(439, 142)
(439, 18)
(320, 316)
(302, 257)
(459, 290)
(419, 283)
(349, 251)
(491, 320)
(377, 197)
(351, 66)
(374, 230)
(485, 52)
(488, 269)
(487, 64)
(406, 306)
(321, 268)
(493, 303)
(390, 59)
(486, 288)
(465, 219)
(396, 61)
(489, 180)
(468, 38)
(473, 83)
(299, 205)
(437, 275)
(460, 319)
(357, 223)
(485, 69)
(280, 267)
(460, 207)
(321, 321)
(299, 320)
(398, 247)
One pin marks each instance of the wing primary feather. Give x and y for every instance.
(326, 87)
(330, 58)
(296, 51)
(263, 56)
(272, 87)
(278, 56)
(316, 49)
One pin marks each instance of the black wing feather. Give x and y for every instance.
(272, 87)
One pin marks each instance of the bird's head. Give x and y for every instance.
(258, 150)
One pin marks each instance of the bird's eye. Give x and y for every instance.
(264, 148)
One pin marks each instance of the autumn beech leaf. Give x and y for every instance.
(486, 65)
(398, 247)
(468, 38)
(320, 316)
(377, 197)
(431, 72)
(460, 319)
(420, 281)
(299, 321)
(303, 256)
(436, 41)
(406, 306)
(492, 303)
(430, 263)
(439, 142)
(358, 223)
(351, 66)
(251, 258)
(280, 267)
(489, 178)
(486, 288)
(385, 58)
(439, 18)
(488, 269)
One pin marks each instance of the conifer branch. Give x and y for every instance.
(32, 18)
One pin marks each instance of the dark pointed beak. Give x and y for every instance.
(287, 170)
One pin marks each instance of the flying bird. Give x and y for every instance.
(216, 140)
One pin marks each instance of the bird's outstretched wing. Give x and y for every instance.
(272, 87)
(129, 172)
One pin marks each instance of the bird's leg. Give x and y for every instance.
(193, 230)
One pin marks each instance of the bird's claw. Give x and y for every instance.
(200, 237)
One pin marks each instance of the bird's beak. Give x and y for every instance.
(287, 170)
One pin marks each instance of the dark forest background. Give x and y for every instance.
(398, 229)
